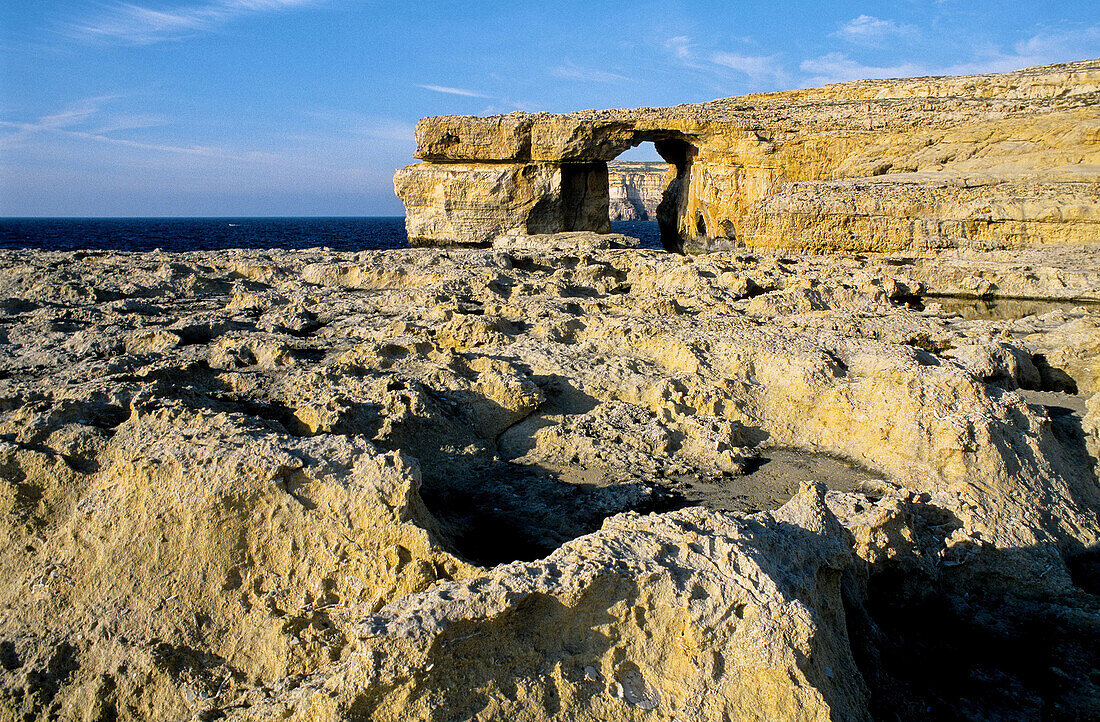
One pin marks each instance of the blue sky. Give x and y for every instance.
(306, 107)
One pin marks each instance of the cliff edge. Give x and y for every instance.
(634, 190)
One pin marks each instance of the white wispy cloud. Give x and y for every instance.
(207, 151)
(85, 119)
(130, 121)
(757, 67)
(452, 91)
(702, 57)
(570, 71)
(142, 25)
(838, 67)
(351, 122)
(73, 115)
(1043, 48)
(680, 47)
(872, 31)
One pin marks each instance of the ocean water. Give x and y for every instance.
(205, 234)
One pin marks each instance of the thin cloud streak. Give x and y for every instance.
(874, 32)
(760, 69)
(130, 122)
(682, 49)
(74, 114)
(569, 71)
(1039, 49)
(838, 68)
(138, 25)
(757, 67)
(209, 152)
(452, 91)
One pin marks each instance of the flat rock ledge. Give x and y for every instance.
(556, 478)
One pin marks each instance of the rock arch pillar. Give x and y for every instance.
(486, 178)
(679, 154)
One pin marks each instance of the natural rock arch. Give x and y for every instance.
(462, 195)
(944, 164)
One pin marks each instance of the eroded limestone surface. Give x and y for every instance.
(463, 483)
(1008, 160)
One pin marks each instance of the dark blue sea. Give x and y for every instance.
(207, 234)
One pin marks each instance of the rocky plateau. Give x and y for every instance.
(560, 478)
(553, 476)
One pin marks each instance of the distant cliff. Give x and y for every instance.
(635, 189)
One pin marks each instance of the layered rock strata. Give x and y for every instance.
(988, 161)
(635, 190)
(553, 479)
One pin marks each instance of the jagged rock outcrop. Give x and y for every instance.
(635, 190)
(557, 478)
(988, 161)
(698, 616)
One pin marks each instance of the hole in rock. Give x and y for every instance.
(772, 478)
(497, 512)
(636, 185)
(649, 184)
(556, 474)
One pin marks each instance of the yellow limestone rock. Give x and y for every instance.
(987, 161)
(686, 615)
(539, 480)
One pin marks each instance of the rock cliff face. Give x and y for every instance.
(989, 161)
(635, 190)
(558, 478)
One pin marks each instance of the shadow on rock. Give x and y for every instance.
(943, 635)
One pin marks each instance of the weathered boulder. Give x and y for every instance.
(690, 615)
(885, 165)
(180, 525)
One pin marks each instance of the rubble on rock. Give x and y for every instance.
(462, 483)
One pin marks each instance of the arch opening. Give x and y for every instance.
(647, 185)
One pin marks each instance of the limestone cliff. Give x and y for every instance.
(985, 161)
(635, 190)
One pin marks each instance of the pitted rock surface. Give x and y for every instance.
(462, 483)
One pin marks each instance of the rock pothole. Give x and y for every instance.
(1001, 309)
(773, 477)
(496, 512)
